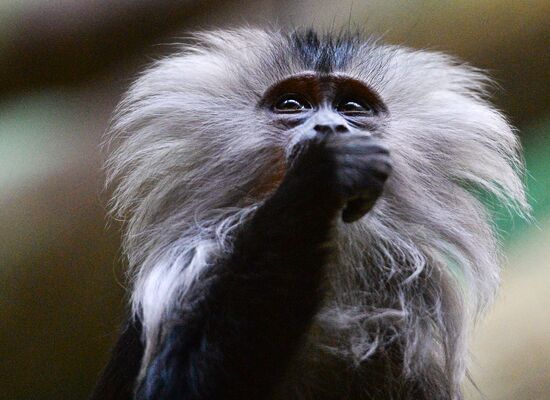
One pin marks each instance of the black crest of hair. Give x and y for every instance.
(324, 52)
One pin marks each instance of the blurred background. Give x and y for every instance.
(63, 67)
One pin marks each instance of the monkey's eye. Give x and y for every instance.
(291, 104)
(355, 109)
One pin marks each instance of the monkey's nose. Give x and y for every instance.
(331, 128)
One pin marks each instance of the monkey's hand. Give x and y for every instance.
(354, 168)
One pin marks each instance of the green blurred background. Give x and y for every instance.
(63, 67)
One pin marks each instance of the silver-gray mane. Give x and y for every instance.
(190, 145)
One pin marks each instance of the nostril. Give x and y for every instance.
(322, 128)
(341, 128)
(330, 128)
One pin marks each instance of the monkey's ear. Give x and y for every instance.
(119, 376)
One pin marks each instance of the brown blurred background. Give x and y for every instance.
(63, 67)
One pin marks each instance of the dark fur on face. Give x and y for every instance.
(250, 278)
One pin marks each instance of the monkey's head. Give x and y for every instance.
(207, 134)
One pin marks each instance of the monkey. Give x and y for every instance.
(303, 219)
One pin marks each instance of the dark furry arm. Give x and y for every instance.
(245, 319)
(117, 381)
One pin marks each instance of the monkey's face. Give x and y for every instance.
(307, 104)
